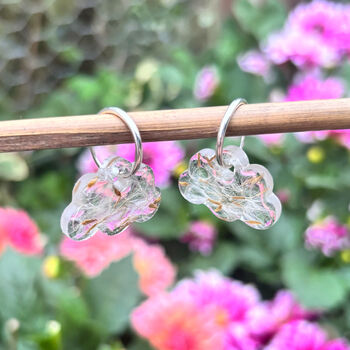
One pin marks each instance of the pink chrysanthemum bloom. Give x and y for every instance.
(156, 272)
(318, 17)
(200, 237)
(173, 322)
(337, 344)
(206, 83)
(19, 231)
(3, 237)
(230, 300)
(95, 254)
(311, 87)
(86, 164)
(239, 337)
(342, 136)
(325, 19)
(305, 51)
(283, 195)
(271, 139)
(162, 157)
(327, 235)
(316, 34)
(302, 335)
(266, 318)
(341, 34)
(254, 62)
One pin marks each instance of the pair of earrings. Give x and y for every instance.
(122, 192)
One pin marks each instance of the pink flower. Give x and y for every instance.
(173, 322)
(231, 299)
(338, 344)
(327, 235)
(272, 139)
(155, 270)
(206, 83)
(316, 34)
(3, 237)
(86, 164)
(162, 157)
(92, 256)
(212, 308)
(239, 337)
(283, 195)
(302, 335)
(311, 87)
(325, 19)
(95, 254)
(254, 62)
(266, 318)
(304, 51)
(312, 136)
(342, 136)
(200, 237)
(19, 231)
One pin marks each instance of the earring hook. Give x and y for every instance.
(232, 108)
(118, 112)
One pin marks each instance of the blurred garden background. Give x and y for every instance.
(184, 280)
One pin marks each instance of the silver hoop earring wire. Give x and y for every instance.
(119, 113)
(232, 108)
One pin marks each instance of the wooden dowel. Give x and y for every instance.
(178, 124)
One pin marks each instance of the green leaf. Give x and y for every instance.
(85, 87)
(228, 44)
(255, 148)
(17, 293)
(224, 258)
(13, 167)
(261, 19)
(254, 257)
(344, 274)
(172, 218)
(112, 295)
(286, 233)
(317, 288)
(328, 182)
(139, 344)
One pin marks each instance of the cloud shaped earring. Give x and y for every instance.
(117, 195)
(231, 187)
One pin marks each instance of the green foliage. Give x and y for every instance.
(18, 297)
(172, 217)
(318, 288)
(13, 167)
(111, 303)
(260, 20)
(225, 258)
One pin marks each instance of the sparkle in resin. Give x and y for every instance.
(109, 201)
(242, 191)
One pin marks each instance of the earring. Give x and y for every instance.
(228, 185)
(118, 194)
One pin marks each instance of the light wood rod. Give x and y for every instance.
(177, 124)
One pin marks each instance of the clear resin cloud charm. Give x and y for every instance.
(241, 192)
(109, 201)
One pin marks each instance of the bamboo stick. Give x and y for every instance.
(178, 124)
